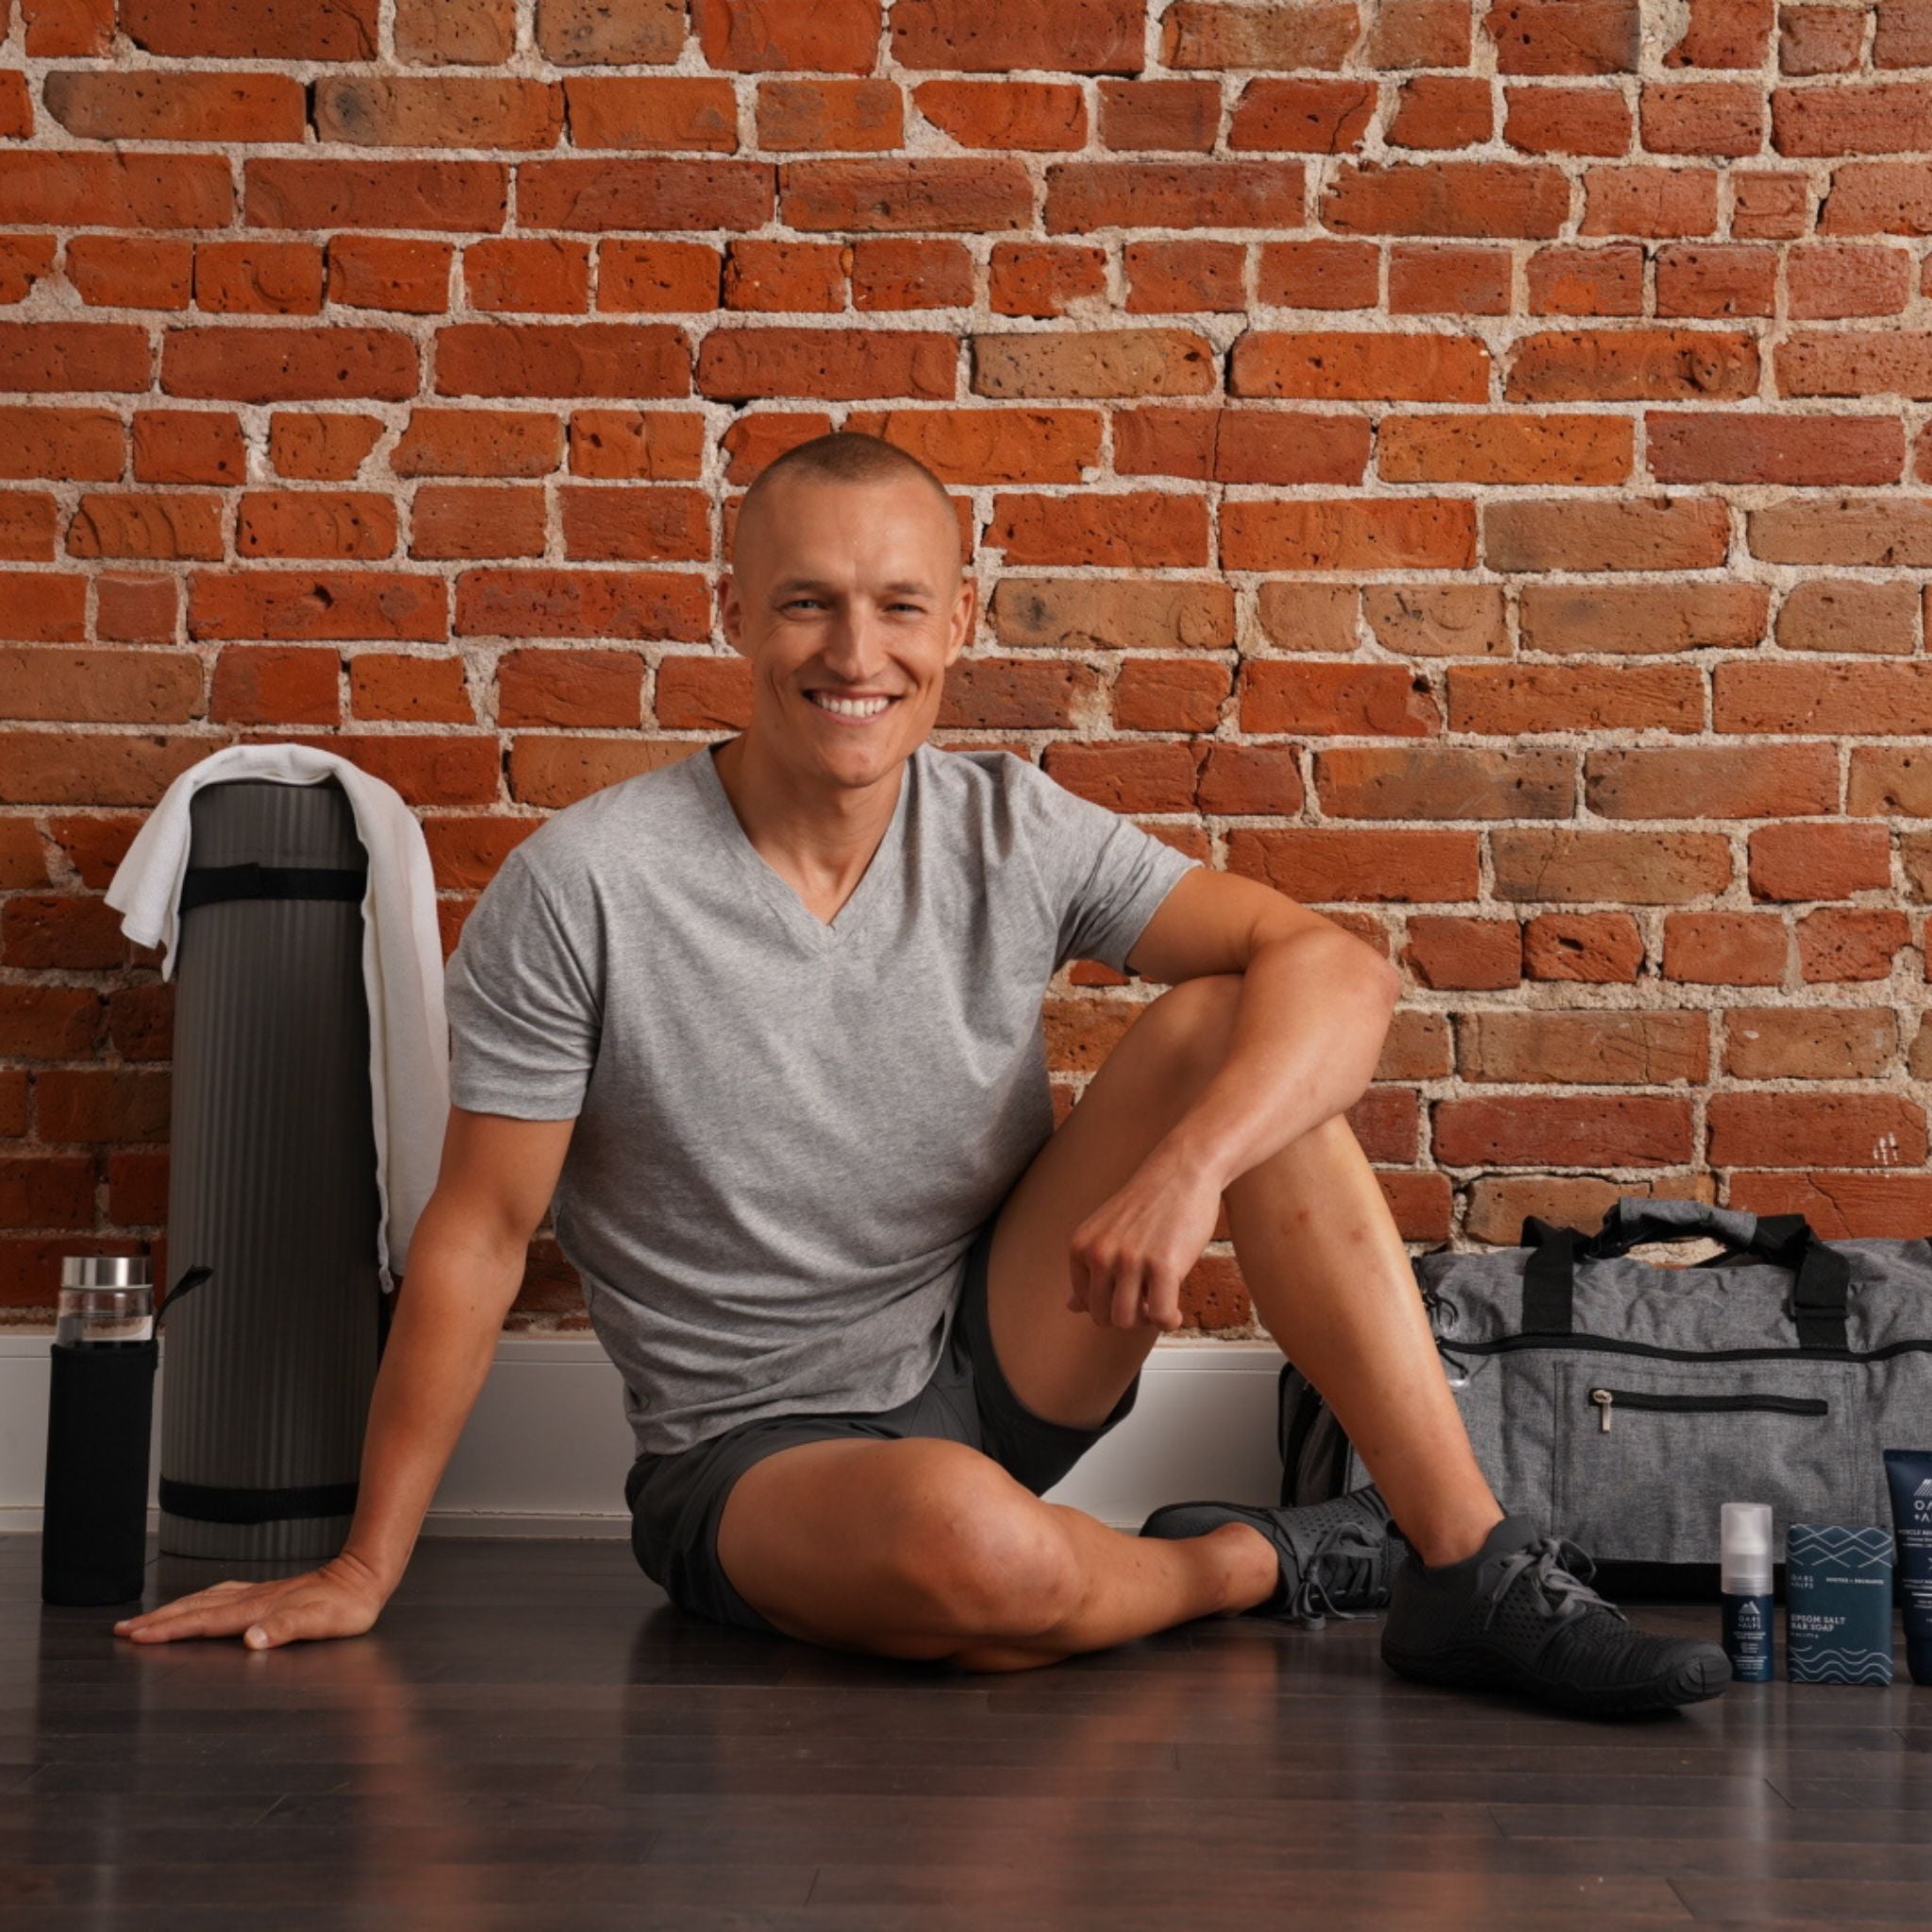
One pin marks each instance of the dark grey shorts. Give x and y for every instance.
(675, 1501)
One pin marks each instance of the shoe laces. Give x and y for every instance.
(1559, 1571)
(1342, 1561)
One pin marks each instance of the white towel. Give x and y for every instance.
(402, 958)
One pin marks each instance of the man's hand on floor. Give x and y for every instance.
(342, 1598)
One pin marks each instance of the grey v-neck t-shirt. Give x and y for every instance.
(787, 1131)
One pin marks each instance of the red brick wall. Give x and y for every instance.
(1459, 463)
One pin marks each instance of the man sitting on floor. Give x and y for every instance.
(766, 1020)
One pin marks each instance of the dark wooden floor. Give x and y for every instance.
(532, 1739)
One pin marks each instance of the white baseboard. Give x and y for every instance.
(547, 1447)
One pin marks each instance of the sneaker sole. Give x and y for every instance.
(1700, 1677)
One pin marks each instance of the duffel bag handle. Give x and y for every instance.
(1821, 1277)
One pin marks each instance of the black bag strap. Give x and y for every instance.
(1821, 1278)
(209, 885)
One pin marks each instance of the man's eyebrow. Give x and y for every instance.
(905, 586)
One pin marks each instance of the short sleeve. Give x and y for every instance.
(525, 1016)
(1106, 876)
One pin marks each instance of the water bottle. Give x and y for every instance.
(100, 1409)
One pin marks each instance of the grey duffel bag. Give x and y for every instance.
(1620, 1404)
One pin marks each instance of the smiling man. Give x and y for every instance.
(767, 1022)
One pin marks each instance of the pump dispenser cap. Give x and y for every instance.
(1746, 1549)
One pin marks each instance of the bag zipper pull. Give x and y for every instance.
(1603, 1398)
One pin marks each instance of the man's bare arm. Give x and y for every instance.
(466, 1262)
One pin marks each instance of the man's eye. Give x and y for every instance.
(800, 603)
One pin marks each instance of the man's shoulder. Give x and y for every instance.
(642, 813)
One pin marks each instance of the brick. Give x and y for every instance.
(27, 525)
(1724, 33)
(1083, 614)
(135, 608)
(737, 364)
(1769, 207)
(91, 768)
(1664, 619)
(1831, 614)
(1324, 699)
(1587, 282)
(23, 862)
(610, 192)
(580, 689)
(893, 272)
(317, 449)
(1440, 111)
(1601, 1047)
(258, 278)
(313, 606)
(265, 31)
(1141, 528)
(641, 446)
(1809, 1042)
(757, 438)
(594, 358)
(1029, 114)
(1082, 196)
(354, 194)
(74, 188)
(478, 443)
(1319, 274)
(1302, 116)
(473, 521)
(1410, 533)
(62, 685)
(528, 275)
(1174, 694)
(784, 276)
(1506, 698)
(1169, 277)
(1202, 33)
(49, 1022)
(1420, 33)
(1713, 281)
(1042, 279)
(1126, 777)
(271, 365)
(1436, 619)
(389, 271)
(1319, 619)
(1095, 363)
(1830, 362)
(1550, 1130)
(438, 110)
(1498, 1208)
(1436, 280)
(150, 106)
(596, 33)
(803, 115)
(1657, 201)
(1559, 865)
(1566, 121)
(1696, 446)
(1474, 954)
(1241, 445)
(1826, 280)
(79, 445)
(1462, 198)
(1850, 942)
(1503, 449)
(423, 691)
(1819, 39)
(1360, 366)
(1182, 115)
(1843, 119)
(915, 193)
(273, 684)
(465, 853)
(1009, 694)
(1890, 778)
(658, 277)
(1685, 533)
(1632, 365)
(1805, 1129)
(1882, 532)
(1564, 36)
(1584, 948)
(147, 523)
(1878, 198)
(358, 525)
(1903, 37)
(1725, 948)
(73, 356)
(1704, 117)
(187, 447)
(1711, 781)
(536, 602)
(605, 523)
(1319, 865)
(1087, 37)
(37, 607)
(1445, 782)
(1861, 700)
(684, 112)
(972, 446)
(760, 35)
(479, 33)
(1839, 1205)
(1818, 861)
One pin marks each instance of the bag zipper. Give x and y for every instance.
(1650, 1351)
(1606, 1399)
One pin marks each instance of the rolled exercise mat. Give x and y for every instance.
(271, 1179)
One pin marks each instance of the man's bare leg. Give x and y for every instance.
(927, 1549)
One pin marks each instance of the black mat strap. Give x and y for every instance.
(209, 885)
(209, 1503)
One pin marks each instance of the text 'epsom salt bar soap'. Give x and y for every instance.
(1837, 1605)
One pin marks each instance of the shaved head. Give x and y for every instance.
(847, 456)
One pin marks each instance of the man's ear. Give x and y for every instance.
(965, 616)
(730, 612)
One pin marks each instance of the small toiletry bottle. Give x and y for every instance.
(1745, 1582)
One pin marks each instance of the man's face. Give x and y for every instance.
(852, 591)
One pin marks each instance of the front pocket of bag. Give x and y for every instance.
(1646, 1455)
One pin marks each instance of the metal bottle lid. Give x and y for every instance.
(106, 1270)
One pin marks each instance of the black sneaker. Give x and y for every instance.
(1520, 1615)
(1336, 1557)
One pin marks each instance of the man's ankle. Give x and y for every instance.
(1453, 1539)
